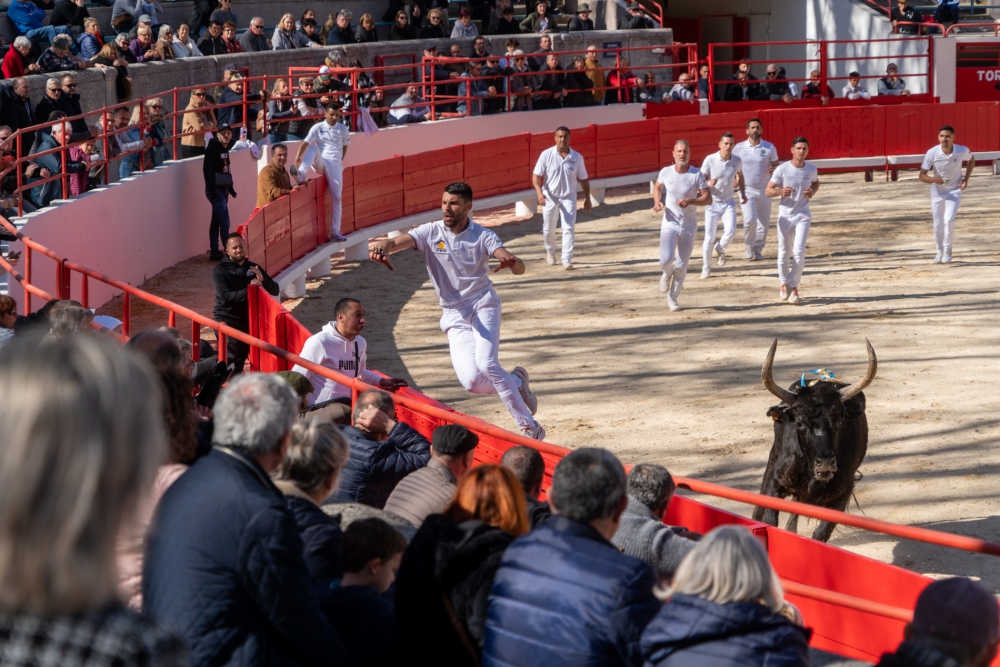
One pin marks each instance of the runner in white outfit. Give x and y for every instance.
(457, 252)
(759, 159)
(947, 184)
(556, 174)
(331, 138)
(678, 189)
(722, 171)
(795, 182)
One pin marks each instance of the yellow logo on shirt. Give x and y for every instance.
(440, 245)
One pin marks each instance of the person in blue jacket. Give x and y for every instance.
(27, 18)
(726, 609)
(564, 595)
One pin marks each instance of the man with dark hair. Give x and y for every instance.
(529, 468)
(642, 532)
(428, 490)
(340, 347)
(383, 451)
(218, 188)
(212, 43)
(457, 253)
(795, 181)
(956, 623)
(947, 185)
(274, 182)
(232, 276)
(331, 140)
(635, 18)
(555, 177)
(605, 596)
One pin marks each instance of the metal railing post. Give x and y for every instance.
(27, 277)
(174, 133)
(195, 341)
(126, 314)
(85, 290)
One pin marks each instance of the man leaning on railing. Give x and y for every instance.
(58, 136)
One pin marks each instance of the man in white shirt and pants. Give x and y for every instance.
(457, 252)
(678, 189)
(340, 347)
(556, 174)
(722, 171)
(759, 159)
(947, 185)
(795, 182)
(331, 138)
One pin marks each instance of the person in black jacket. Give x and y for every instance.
(743, 89)
(69, 103)
(200, 15)
(308, 474)
(16, 111)
(528, 466)
(218, 187)
(383, 450)
(211, 43)
(447, 572)
(70, 13)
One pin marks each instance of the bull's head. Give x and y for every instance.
(817, 412)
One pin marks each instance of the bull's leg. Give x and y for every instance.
(768, 488)
(793, 523)
(824, 530)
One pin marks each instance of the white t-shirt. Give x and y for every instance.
(330, 139)
(331, 349)
(948, 167)
(458, 264)
(561, 175)
(724, 171)
(680, 186)
(787, 175)
(756, 161)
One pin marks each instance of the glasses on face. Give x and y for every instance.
(199, 94)
(69, 85)
(435, 19)
(12, 311)
(55, 90)
(155, 106)
(772, 74)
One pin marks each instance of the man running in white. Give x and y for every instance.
(679, 188)
(722, 171)
(759, 159)
(457, 252)
(555, 177)
(795, 182)
(947, 184)
(331, 138)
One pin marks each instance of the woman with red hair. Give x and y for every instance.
(447, 572)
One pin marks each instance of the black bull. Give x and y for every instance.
(820, 440)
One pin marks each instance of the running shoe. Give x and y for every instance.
(529, 398)
(946, 258)
(937, 258)
(722, 255)
(338, 238)
(663, 282)
(568, 266)
(550, 258)
(783, 294)
(672, 304)
(705, 273)
(757, 256)
(536, 432)
(793, 298)
(748, 254)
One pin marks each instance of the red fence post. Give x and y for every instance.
(195, 341)
(85, 290)
(126, 314)
(171, 317)
(27, 272)
(253, 308)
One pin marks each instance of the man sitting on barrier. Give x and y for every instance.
(232, 277)
(274, 182)
(59, 135)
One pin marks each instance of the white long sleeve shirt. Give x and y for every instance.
(333, 350)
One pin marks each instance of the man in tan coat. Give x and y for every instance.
(273, 181)
(595, 74)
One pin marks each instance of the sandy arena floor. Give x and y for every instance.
(612, 367)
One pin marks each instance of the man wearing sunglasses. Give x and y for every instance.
(774, 88)
(253, 40)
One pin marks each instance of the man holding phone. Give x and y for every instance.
(340, 347)
(232, 277)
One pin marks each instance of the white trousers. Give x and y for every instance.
(756, 219)
(676, 244)
(474, 339)
(334, 171)
(563, 210)
(793, 231)
(944, 208)
(725, 211)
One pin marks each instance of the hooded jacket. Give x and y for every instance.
(459, 560)
(375, 468)
(333, 350)
(690, 631)
(231, 282)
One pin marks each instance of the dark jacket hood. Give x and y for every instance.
(462, 547)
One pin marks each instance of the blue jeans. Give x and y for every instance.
(47, 32)
(277, 138)
(219, 228)
(126, 169)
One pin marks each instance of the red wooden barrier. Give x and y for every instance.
(914, 129)
(425, 175)
(497, 166)
(832, 132)
(255, 237)
(378, 192)
(277, 236)
(346, 203)
(628, 148)
(702, 132)
(304, 222)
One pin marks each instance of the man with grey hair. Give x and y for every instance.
(342, 33)
(642, 532)
(224, 564)
(57, 58)
(253, 40)
(606, 597)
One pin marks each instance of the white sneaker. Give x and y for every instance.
(748, 254)
(536, 432)
(529, 398)
(664, 279)
(673, 305)
(783, 294)
(757, 256)
(568, 266)
(937, 259)
(705, 273)
(550, 258)
(722, 256)
(793, 298)
(338, 238)
(946, 258)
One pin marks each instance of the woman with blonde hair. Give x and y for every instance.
(447, 572)
(309, 474)
(365, 32)
(165, 43)
(435, 26)
(73, 463)
(286, 37)
(197, 121)
(726, 608)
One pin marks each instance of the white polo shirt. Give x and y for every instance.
(330, 139)
(787, 175)
(458, 264)
(756, 162)
(561, 174)
(948, 167)
(680, 186)
(724, 171)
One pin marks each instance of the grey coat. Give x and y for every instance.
(423, 492)
(643, 536)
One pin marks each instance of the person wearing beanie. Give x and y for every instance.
(428, 490)
(956, 624)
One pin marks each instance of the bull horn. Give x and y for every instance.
(765, 377)
(853, 390)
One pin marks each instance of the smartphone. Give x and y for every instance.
(13, 255)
